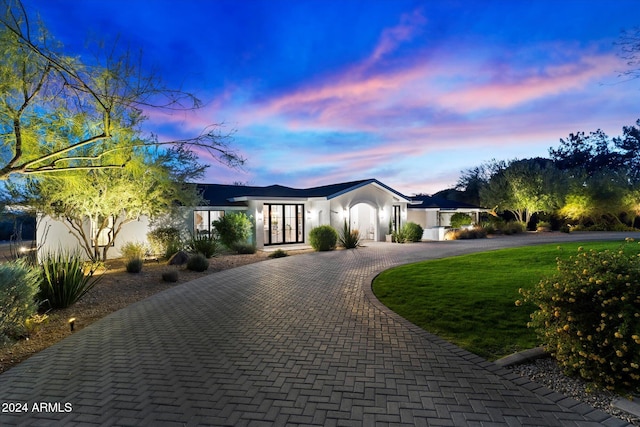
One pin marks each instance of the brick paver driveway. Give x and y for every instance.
(297, 340)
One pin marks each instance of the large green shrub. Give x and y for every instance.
(412, 231)
(459, 220)
(234, 227)
(323, 238)
(65, 279)
(18, 289)
(349, 239)
(164, 241)
(588, 316)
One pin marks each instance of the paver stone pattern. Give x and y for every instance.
(291, 341)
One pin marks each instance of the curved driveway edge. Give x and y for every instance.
(291, 341)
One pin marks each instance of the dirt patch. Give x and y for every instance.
(116, 289)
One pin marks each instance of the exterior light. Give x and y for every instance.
(72, 323)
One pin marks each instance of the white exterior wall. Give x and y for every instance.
(54, 236)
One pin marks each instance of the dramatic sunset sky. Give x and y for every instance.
(408, 92)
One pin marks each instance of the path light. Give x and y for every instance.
(72, 323)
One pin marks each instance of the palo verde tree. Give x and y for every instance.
(94, 204)
(60, 113)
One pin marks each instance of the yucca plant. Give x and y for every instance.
(65, 279)
(349, 239)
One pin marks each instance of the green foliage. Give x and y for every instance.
(198, 262)
(349, 239)
(233, 227)
(204, 244)
(459, 220)
(399, 236)
(65, 279)
(245, 248)
(278, 253)
(133, 250)
(412, 231)
(134, 265)
(164, 241)
(588, 315)
(18, 289)
(323, 238)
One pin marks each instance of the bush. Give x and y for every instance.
(349, 239)
(64, 279)
(279, 253)
(399, 236)
(233, 228)
(463, 234)
(134, 265)
(245, 248)
(164, 241)
(133, 250)
(198, 262)
(170, 276)
(412, 231)
(459, 220)
(588, 316)
(323, 238)
(18, 289)
(204, 244)
(512, 227)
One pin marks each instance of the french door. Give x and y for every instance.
(283, 223)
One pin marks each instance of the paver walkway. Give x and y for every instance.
(297, 340)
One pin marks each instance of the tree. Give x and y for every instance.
(524, 187)
(151, 183)
(58, 113)
(630, 51)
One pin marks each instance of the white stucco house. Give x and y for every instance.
(284, 215)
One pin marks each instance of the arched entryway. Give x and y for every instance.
(364, 218)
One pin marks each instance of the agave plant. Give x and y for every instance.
(65, 279)
(349, 239)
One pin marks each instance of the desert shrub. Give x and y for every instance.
(412, 231)
(204, 244)
(232, 228)
(565, 228)
(18, 289)
(65, 279)
(349, 239)
(170, 276)
(198, 262)
(463, 234)
(459, 220)
(323, 238)
(134, 265)
(399, 236)
(133, 250)
(164, 241)
(512, 227)
(244, 248)
(543, 226)
(279, 253)
(588, 316)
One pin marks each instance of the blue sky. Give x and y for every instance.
(408, 92)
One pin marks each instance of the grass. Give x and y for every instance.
(470, 300)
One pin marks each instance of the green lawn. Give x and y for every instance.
(470, 300)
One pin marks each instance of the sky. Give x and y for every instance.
(407, 92)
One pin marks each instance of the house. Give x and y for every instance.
(284, 215)
(434, 214)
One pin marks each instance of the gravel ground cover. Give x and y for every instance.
(545, 371)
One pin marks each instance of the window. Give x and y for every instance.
(203, 220)
(283, 223)
(396, 218)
